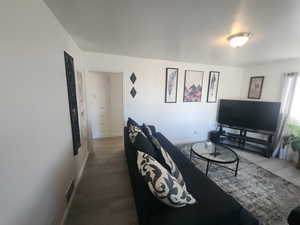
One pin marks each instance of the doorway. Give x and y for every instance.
(105, 104)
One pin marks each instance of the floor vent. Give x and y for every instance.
(70, 191)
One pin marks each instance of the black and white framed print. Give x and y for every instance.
(193, 83)
(213, 84)
(255, 87)
(171, 85)
(71, 87)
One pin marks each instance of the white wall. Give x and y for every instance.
(273, 82)
(105, 105)
(36, 162)
(180, 122)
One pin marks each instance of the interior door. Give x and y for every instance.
(71, 86)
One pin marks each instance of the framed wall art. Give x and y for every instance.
(133, 91)
(213, 84)
(255, 87)
(171, 85)
(71, 87)
(193, 86)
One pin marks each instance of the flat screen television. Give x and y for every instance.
(252, 115)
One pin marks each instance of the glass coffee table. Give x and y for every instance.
(217, 154)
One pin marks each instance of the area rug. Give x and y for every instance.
(267, 196)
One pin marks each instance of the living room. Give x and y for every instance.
(237, 50)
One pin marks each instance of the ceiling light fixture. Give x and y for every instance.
(238, 40)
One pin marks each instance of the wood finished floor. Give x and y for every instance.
(104, 195)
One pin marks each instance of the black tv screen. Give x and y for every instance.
(253, 115)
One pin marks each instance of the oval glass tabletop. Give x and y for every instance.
(214, 152)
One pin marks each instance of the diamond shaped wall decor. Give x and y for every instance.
(133, 92)
(133, 78)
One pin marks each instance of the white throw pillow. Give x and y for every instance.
(161, 183)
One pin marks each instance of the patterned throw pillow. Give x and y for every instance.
(147, 130)
(168, 161)
(161, 183)
(140, 141)
(133, 131)
(130, 121)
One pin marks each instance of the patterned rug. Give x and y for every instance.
(267, 196)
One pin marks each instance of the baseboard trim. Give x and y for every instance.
(78, 178)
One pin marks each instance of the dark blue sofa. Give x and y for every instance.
(213, 207)
(294, 217)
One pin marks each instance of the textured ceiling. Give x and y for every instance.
(184, 30)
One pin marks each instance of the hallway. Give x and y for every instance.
(104, 194)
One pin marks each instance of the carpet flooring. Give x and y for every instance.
(267, 196)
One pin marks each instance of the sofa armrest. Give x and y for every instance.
(246, 218)
(294, 217)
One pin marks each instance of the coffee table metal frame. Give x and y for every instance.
(194, 154)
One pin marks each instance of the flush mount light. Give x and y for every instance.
(238, 40)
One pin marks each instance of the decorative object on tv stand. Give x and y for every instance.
(133, 78)
(193, 83)
(213, 84)
(255, 87)
(171, 85)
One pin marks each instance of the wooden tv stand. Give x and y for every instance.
(261, 145)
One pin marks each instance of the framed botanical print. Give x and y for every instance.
(255, 87)
(171, 85)
(193, 83)
(213, 85)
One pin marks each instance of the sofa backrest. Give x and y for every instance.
(146, 203)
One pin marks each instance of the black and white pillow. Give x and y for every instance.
(133, 131)
(168, 161)
(130, 121)
(161, 183)
(148, 130)
(140, 141)
(172, 167)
